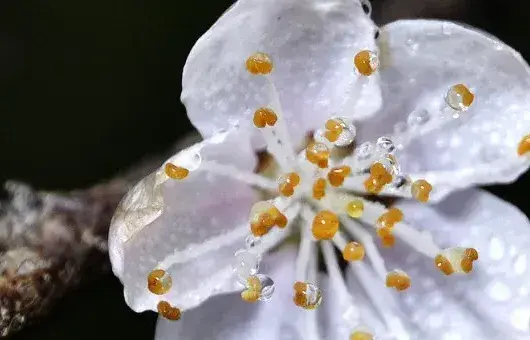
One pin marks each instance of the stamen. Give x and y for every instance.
(353, 252)
(318, 154)
(319, 189)
(176, 172)
(355, 208)
(398, 279)
(456, 260)
(306, 295)
(459, 97)
(259, 64)
(159, 282)
(382, 302)
(167, 311)
(325, 225)
(287, 183)
(333, 130)
(419, 241)
(361, 335)
(379, 177)
(264, 117)
(337, 175)
(420, 190)
(253, 291)
(366, 239)
(524, 146)
(263, 216)
(366, 62)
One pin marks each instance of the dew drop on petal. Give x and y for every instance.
(267, 287)
(246, 264)
(418, 118)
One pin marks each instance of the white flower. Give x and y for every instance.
(453, 137)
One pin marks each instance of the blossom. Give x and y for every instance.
(425, 111)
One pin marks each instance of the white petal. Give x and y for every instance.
(421, 60)
(312, 44)
(227, 317)
(198, 222)
(493, 301)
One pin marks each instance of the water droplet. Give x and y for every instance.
(391, 165)
(348, 133)
(459, 97)
(364, 151)
(246, 264)
(267, 287)
(496, 249)
(400, 128)
(386, 144)
(307, 295)
(499, 291)
(252, 241)
(520, 264)
(418, 118)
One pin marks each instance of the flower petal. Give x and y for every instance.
(190, 227)
(493, 301)
(312, 44)
(228, 317)
(421, 60)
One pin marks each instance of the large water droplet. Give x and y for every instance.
(246, 264)
(364, 151)
(267, 287)
(385, 144)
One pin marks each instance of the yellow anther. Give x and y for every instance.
(281, 221)
(319, 189)
(262, 224)
(167, 311)
(353, 252)
(366, 62)
(306, 295)
(459, 97)
(360, 335)
(398, 280)
(159, 282)
(318, 154)
(176, 172)
(421, 190)
(325, 225)
(334, 129)
(524, 146)
(456, 260)
(287, 183)
(379, 177)
(259, 64)
(355, 208)
(253, 291)
(337, 175)
(264, 117)
(443, 264)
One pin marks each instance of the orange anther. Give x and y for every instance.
(337, 175)
(259, 64)
(176, 172)
(325, 225)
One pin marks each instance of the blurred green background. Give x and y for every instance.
(89, 87)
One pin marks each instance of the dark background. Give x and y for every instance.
(89, 87)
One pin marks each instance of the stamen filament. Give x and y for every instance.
(422, 242)
(245, 177)
(367, 241)
(350, 313)
(305, 249)
(383, 302)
